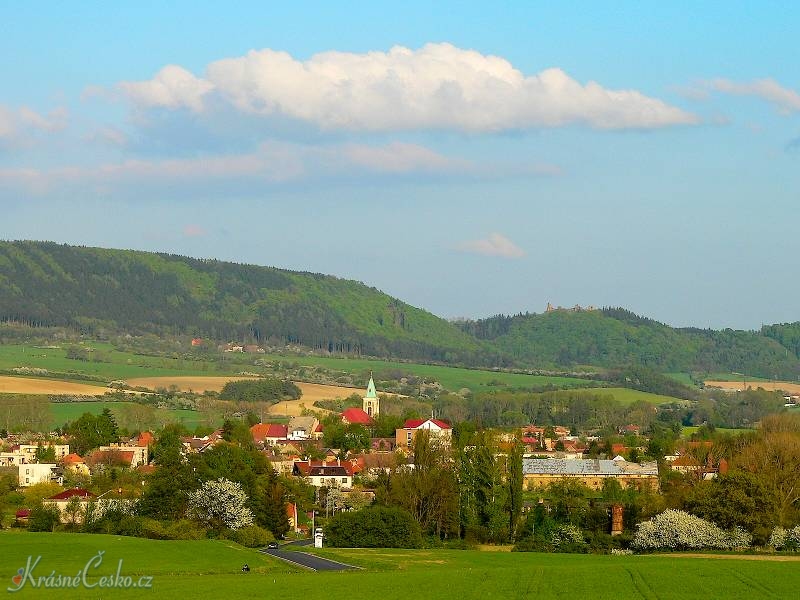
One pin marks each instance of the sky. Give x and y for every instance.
(469, 158)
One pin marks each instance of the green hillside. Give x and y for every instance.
(92, 289)
(99, 291)
(612, 337)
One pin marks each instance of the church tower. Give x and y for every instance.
(370, 403)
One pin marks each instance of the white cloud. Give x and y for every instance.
(16, 125)
(172, 87)
(495, 245)
(272, 163)
(436, 87)
(784, 99)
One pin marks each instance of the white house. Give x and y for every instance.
(31, 474)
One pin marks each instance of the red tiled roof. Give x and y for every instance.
(145, 439)
(262, 431)
(23, 513)
(71, 459)
(415, 423)
(356, 416)
(67, 494)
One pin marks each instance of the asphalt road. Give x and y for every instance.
(308, 561)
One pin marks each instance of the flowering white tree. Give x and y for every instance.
(220, 504)
(567, 535)
(678, 530)
(785, 539)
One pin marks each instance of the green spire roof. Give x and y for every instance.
(371, 393)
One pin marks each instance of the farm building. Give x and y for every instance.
(540, 472)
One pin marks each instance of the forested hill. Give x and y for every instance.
(43, 283)
(614, 336)
(92, 289)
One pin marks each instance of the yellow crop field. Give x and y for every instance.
(186, 383)
(784, 386)
(311, 391)
(25, 385)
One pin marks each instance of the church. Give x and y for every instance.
(370, 408)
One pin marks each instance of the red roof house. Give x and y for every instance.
(356, 416)
(268, 433)
(81, 493)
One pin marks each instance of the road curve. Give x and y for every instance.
(307, 561)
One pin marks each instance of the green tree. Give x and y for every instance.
(45, 454)
(165, 493)
(737, 499)
(92, 431)
(514, 481)
(374, 527)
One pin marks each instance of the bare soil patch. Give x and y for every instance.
(25, 385)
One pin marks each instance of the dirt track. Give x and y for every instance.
(25, 385)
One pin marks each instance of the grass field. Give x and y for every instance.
(123, 365)
(211, 568)
(69, 411)
(452, 378)
(120, 365)
(628, 396)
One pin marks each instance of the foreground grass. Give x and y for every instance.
(188, 569)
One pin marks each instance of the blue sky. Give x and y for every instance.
(469, 158)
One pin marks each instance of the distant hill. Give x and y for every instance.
(43, 283)
(94, 289)
(614, 336)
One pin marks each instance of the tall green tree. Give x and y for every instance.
(514, 481)
(165, 494)
(92, 431)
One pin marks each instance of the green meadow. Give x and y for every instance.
(452, 378)
(628, 396)
(126, 365)
(212, 568)
(119, 365)
(69, 411)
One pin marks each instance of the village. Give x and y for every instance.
(344, 479)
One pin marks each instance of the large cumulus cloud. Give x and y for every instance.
(437, 87)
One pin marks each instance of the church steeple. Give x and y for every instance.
(370, 402)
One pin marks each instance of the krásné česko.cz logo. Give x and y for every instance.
(86, 577)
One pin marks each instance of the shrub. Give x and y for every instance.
(44, 518)
(678, 530)
(374, 527)
(183, 529)
(252, 536)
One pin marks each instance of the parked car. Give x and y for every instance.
(272, 546)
